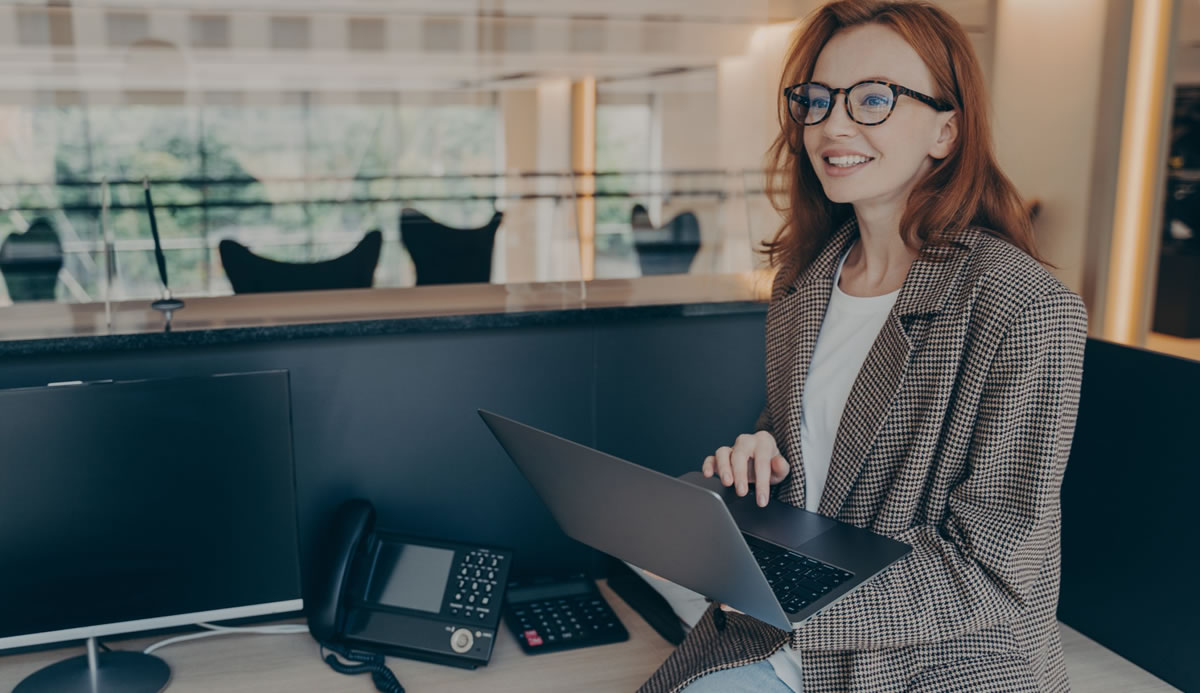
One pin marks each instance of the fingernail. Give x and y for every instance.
(726, 479)
(762, 501)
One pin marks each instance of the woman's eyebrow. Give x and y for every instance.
(877, 78)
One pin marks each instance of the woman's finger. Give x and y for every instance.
(723, 470)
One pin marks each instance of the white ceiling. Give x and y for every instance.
(396, 45)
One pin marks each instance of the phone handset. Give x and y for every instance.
(347, 537)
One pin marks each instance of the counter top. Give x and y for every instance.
(50, 328)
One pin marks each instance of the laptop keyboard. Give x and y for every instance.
(796, 580)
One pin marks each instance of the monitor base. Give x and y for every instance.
(100, 672)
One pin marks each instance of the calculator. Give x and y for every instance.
(560, 615)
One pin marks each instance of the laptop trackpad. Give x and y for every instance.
(779, 522)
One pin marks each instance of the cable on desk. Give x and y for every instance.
(367, 662)
(213, 630)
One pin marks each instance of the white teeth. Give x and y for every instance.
(850, 160)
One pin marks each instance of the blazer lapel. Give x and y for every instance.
(925, 292)
(797, 322)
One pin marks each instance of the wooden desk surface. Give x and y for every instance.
(290, 664)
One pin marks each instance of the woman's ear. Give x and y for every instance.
(947, 135)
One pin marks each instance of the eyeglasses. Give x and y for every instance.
(869, 102)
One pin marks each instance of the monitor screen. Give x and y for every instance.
(126, 506)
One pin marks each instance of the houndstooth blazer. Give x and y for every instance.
(954, 440)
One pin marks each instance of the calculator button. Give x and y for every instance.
(532, 637)
(485, 601)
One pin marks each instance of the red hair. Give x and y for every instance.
(965, 189)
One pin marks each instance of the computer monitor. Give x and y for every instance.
(140, 505)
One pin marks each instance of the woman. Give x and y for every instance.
(923, 374)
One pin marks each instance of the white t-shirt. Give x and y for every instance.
(848, 331)
(847, 334)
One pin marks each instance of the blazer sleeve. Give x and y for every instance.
(977, 567)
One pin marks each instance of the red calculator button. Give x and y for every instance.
(532, 637)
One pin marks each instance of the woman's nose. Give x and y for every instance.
(839, 122)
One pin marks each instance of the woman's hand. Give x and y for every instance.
(753, 458)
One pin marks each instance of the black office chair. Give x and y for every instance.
(639, 218)
(30, 262)
(669, 249)
(447, 255)
(250, 273)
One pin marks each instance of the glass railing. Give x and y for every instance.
(646, 222)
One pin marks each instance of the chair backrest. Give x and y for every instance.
(30, 262)
(250, 273)
(639, 218)
(670, 248)
(445, 254)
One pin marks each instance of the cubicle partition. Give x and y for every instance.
(1130, 549)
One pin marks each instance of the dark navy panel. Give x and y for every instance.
(1131, 554)
(393, 419)
(670, 393)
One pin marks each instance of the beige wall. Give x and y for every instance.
(1046, 87)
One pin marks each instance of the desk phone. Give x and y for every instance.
(405, 596)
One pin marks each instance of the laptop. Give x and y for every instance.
(779, 564)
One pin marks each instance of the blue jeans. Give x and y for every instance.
(758, 677)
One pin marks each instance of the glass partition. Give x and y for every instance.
(297, 129)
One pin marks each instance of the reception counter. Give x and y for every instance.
(65, 327)
(385, 384)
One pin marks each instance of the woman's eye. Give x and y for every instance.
(876, 101)
(818, 103)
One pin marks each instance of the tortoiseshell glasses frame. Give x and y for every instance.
(857, 101)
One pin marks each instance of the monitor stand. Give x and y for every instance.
(100, 672)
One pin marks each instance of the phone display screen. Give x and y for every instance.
(409, 576)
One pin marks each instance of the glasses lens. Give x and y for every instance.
(871, 103)
(809, 103)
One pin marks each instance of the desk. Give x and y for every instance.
(289, 663)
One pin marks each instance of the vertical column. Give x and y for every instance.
(583, 162)
(1136, 223)
(554, 250)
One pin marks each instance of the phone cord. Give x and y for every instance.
(385, 681)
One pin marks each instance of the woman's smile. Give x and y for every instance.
(839, 164)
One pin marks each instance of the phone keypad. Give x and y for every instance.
(475, 578)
